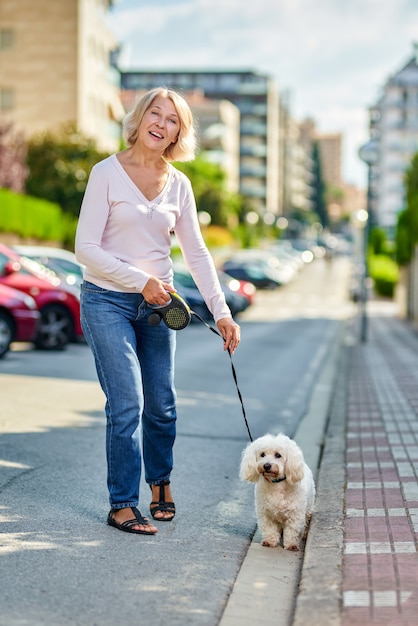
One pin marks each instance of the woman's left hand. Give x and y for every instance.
(230, 332)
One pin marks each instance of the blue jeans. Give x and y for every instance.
(135, 367)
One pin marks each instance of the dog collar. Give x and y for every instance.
(277, 480)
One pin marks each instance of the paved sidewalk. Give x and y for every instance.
(380, 565)
(361, 564)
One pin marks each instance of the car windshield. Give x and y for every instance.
(185, 280)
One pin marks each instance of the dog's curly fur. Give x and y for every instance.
(284, 489)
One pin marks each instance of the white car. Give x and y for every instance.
(62, 262)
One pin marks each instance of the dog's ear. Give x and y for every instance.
(294, 463)
(248, 468)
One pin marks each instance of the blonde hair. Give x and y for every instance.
(184, 149)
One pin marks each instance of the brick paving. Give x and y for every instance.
(380, 560)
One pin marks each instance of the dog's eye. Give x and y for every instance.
(263, 454)
(278, 455)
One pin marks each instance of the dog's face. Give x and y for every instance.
(270, 462)
(274, 458)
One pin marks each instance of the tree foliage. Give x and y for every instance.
(378, 240)
(318, 194)
(209, 186)
(403, 239)
(407, 226)
(13, 169)
(59, 166)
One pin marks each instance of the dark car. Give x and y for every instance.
(19, 317)
(184, 280)
(58, 304)
(186, 288)
(261, 277)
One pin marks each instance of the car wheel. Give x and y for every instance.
(6, 333)
(55, 328)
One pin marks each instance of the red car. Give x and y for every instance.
(243, 287)
(19, 317)
(58, 304)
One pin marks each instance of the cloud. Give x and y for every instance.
(333, 55)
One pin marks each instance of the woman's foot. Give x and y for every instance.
(130, 520)
(162, 506)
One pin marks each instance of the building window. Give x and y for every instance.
(6, 38)
(6, 99)
(229, 82)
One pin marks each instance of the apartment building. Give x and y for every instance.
(330, 150)
(256, 97)
(218, 126)
(394, 134)
(340, 196)
(55, 68)
(297, 170)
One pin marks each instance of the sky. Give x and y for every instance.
(332, 57)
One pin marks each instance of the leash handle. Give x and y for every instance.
(234, 374)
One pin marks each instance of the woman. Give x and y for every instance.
(134, 200)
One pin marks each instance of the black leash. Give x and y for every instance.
(234, 374)
(177, 315)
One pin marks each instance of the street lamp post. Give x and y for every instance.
(369, 154)
(363, 220)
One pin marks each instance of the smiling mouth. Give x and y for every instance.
(157, 135)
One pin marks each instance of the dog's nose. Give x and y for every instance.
(267, 467)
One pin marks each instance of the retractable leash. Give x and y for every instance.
(177, 315)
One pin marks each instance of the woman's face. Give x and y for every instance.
(160, 125)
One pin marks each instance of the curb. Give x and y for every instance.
(267, 586)
(319, 598)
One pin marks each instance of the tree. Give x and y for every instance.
(378, 241)
(13, 169)
(59, 166)
(209, 186)
(403, 239)
(318, 194)
(407, 227)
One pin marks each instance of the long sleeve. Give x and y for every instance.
(197, 257)
(93, 245)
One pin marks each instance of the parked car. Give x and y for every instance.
(242, 287)
(308, 249)
(62, 262)
(260, 267)
(184, 280)
(288, 255)
(192, 296)
(261, 277)
(58, 303)
(19, 317)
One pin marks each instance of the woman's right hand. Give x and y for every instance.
(155, 291)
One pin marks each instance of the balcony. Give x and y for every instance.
(255, 171)
(256, 150)
(253, 88)
(254, 128)
(253, 192)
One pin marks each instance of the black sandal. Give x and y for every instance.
(161, 505)
(128, 526)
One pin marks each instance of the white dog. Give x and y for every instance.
(284, 490)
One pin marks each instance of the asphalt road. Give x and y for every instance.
(60, 563)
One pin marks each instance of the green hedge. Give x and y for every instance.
(30, 217)
(385, 274)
